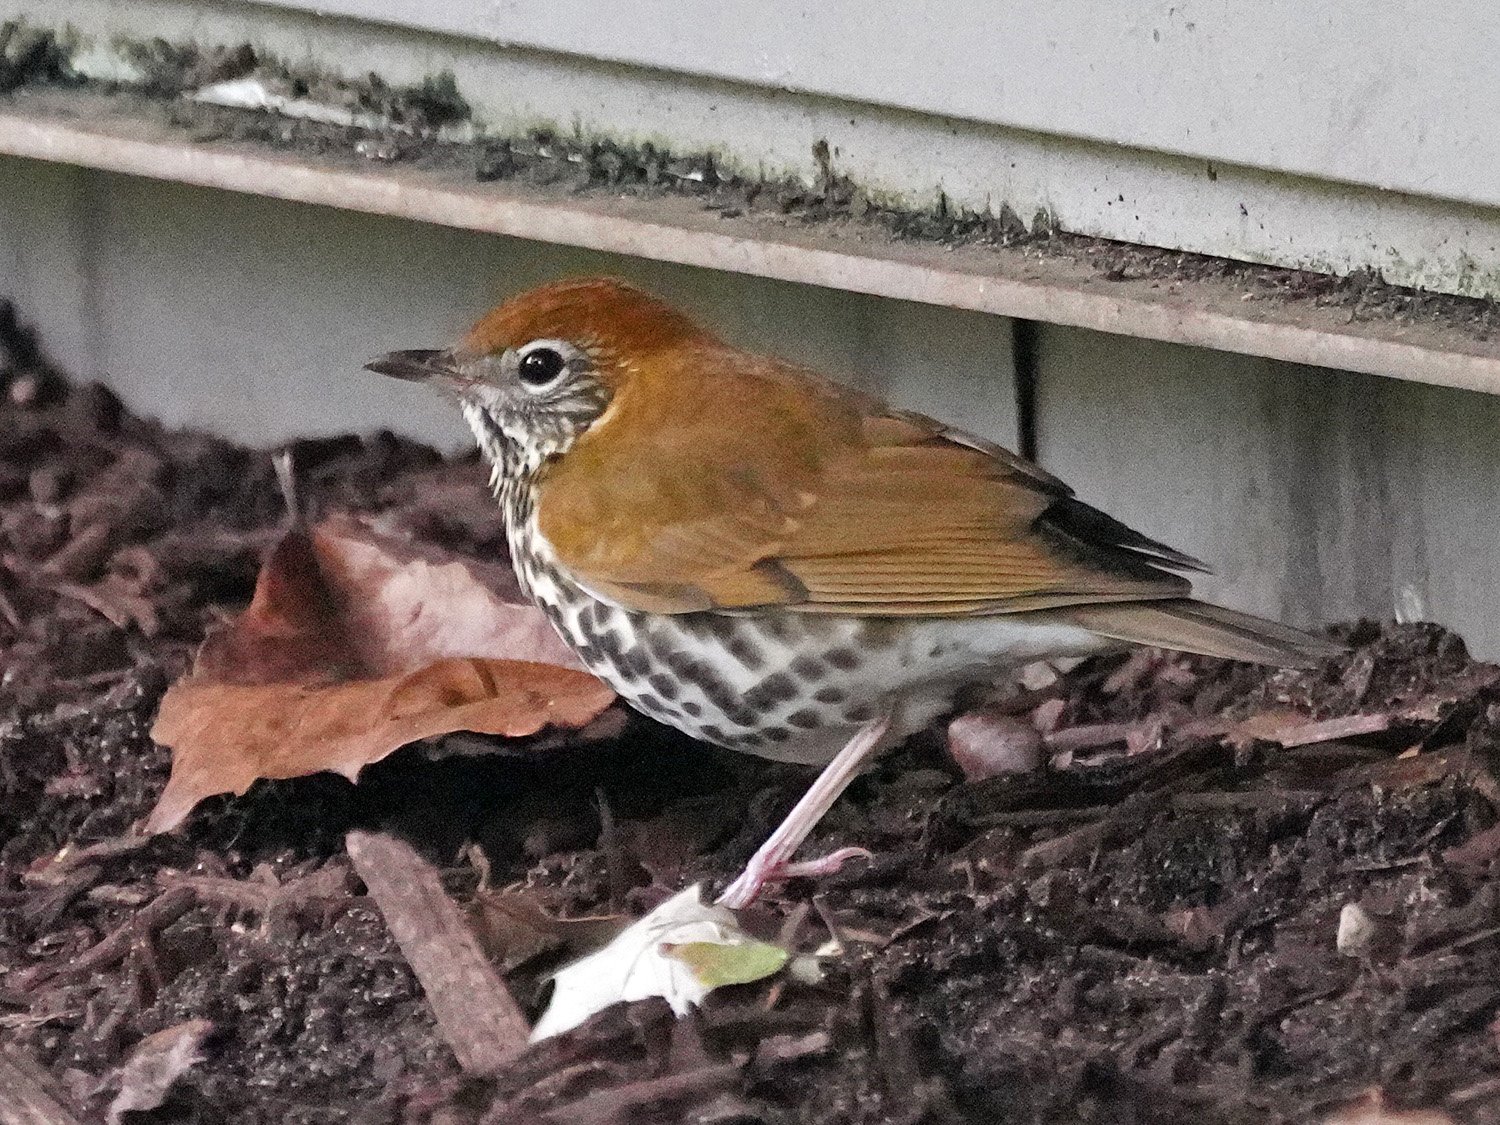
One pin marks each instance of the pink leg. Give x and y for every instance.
(772, 861)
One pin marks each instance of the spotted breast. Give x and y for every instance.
(782, 685)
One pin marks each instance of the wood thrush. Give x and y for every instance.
(781, 565)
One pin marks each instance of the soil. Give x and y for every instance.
(1142, 930)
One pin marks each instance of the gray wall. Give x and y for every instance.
(1331, 135)
(252, 317)
(1316, 495)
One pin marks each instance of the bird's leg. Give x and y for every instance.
(772, 861)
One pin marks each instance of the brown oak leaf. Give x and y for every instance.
(353, 645)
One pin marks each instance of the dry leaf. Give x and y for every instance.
(340, 601)
(717, 964)
(354, 645)
(157, 1062)
(512, 928)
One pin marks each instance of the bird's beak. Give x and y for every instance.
(419, 365)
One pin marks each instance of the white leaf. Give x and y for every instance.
(639, 964)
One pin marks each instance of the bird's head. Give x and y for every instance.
(540, 369)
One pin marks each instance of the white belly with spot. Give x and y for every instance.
(786, 685)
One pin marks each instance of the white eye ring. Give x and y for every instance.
(542, 364)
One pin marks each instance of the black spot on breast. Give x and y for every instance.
(739, 645)
(682, 665)
(805, 719)
(714, 733)
(596, 616)
(830, 695)
(859, 713)
(693, 670)
(740, 715)
(635, 663)
(699, 625)
(808, 668)
(650, 704)
(692, 709)
(775, 734)
(844, 659)
(609, 643)
(667, 686)
(777, 688)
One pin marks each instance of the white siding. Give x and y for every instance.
(1316, 495)
(1325, 134)
(1392, 96)
(252, 317)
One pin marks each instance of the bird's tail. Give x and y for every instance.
(1208, 630)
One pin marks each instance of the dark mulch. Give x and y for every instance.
(1123, 937)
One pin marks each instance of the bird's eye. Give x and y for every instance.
(540, 366)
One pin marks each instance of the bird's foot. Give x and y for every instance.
(758, 872)
(774, 859)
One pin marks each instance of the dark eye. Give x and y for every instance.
(540, 366)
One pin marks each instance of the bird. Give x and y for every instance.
(782, 565)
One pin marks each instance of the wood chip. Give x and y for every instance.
(1275, 801)
(633, 1102)
(1090, 737)
(27, 1096)
(1475, 854)
(475, 1011)
(1290, 729)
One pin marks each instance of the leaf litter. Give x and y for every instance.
(1140, 926)
(353, 646)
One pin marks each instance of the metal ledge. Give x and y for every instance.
(117, 135)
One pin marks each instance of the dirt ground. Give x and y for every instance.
(1145, 930)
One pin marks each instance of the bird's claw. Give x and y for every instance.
(750, 882)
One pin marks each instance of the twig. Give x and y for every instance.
(614, 852)
(1332, 730)
(1038, 818)
(1248, 800)
(475, 1011)
(1092, 836)
(160, 913)
(9, 612)
(626, 1104)
(273, 902)
(119, 607)
(286, 480)
(26, 1096)
(71, 857)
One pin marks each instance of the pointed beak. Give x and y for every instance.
(418, 365)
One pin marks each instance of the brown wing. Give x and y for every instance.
(723, 480)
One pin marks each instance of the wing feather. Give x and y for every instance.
(727, 480)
